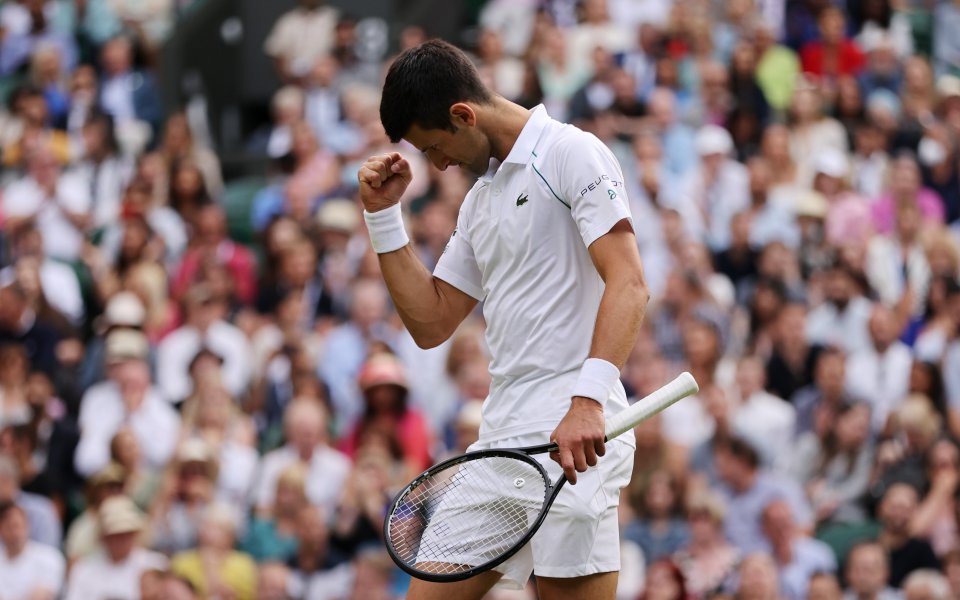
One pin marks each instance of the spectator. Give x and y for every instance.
(708, 561)
(29, 570)
(128, 398)
(758, 579)
(273, 581)
(659, 530)
(384, 385)
(306, 426)
(205, 327)
(274, 537)
(129, 95)
(867, 573)
(116, 573)
(907, 553)
(104, 170)
(926, 584)
(83, 536)
(833, 55)
(880, 374)
(181, 504)
(834, 464)
(301, 37)
(798, 556)
(318, 566)
(214, 568)
(842, 320)
(748, 490)
(936, 516)
(824, 586)
(41, 515)
(906, 187)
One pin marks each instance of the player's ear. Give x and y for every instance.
(462, 114)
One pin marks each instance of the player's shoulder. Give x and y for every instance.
(566, 140)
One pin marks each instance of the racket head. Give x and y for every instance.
(468, 514)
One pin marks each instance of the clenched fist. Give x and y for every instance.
(383, 179)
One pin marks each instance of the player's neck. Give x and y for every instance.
(506, 121)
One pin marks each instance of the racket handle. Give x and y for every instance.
(646, 407)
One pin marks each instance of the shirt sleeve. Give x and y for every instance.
(458, 264)
(591, 183)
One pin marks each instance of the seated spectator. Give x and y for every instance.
(951, 568)
(129, 95)
(915, 426)
(664, 581)
(906, 186)
(926, 584)
(758, 579)
(833, 55)
(273, 581)
(273, 537)
(210, 242)
(305, 425)
(383, 383)
(708, 561)
(28, 570)
(179, 145)
(127, 399)
(748, 490)
(214, 568)
(824, 586)
(83, 536)
(115, 573)
(205, 327)
(797, 555)
(141, 482)
(300, 37)
(867, 573)
(318, 564)
(179, 508)
(358, 520)
(42, 517)
(842, 319)
(103, 169)
(907, 553)
(766, 421)
(658, 528)
(936, 517)
(834, 464)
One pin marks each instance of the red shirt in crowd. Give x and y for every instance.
(846, 59)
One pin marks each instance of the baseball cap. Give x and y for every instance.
(118, 514)
(382, 369)
(713, 139)
(123, 344)
(194, 450)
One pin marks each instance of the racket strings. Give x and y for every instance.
(467, 515)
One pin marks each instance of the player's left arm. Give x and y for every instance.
(623, 304)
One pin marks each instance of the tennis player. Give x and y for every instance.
(545, 240)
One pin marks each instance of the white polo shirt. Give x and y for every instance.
(520, 246)
(38, 567)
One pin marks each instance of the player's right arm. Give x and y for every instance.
(430, 308)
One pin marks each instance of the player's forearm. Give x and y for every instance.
(620, 317)
(416, 297)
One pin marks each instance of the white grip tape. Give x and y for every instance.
(641, 410)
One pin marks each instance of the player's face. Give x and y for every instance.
(463, 147)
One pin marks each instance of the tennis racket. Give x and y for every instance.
(468, 514)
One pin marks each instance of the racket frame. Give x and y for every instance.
(681, 387)
(521, 454)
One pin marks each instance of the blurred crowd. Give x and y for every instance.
(204, 401)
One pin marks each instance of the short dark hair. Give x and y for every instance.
(741, 450)
(423, 83)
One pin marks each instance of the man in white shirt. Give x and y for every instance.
(841, 320)
(300, 37)
(545, 239)
(798, 556)
(766, 421)
(116, 573)
(204, 327)
(28, 570)
(305, 425)
(57, 204)
(126, 399)
(880, 374)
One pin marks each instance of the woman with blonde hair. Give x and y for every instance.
(708, 561)
(274, 537)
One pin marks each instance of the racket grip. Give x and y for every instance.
(646, 407)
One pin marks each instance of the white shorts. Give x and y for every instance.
(580, 535)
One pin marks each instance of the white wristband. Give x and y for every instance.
(597, 380)
(387, 232)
